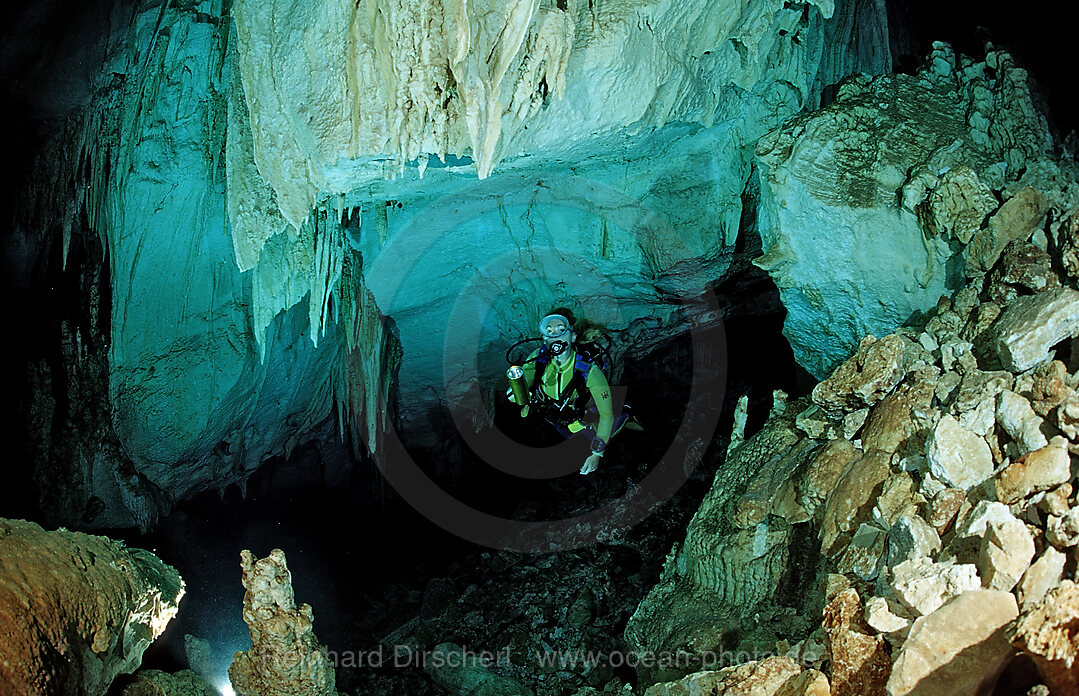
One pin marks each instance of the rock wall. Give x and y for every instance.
(77, 610)
(933, 471)
(230, 162)
(867, 204)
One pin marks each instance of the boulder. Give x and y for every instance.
(1063, 532)
(824, 470)
(909, 538)
(77, 610)
(1050, 387)
(1032, 325)
(1018, 419)
(943, 508)
(1067, 417)
(957, 456)
(764, 678)
(851, 501)
(958, 650)
(860, 662)
(1043, 575)
(1016, 220)
(864, 554)
(866, 377)
(809, 683)
(1047, 634)
(958, 204)
(922, 585)
(1023, 269)
(1040, 470)
(883, 617)
(1005, 554)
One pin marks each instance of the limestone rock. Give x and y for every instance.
(824, 471)
(1023, 269)
(1018, 419)
(958, 204)
(944, 507)
(809, 683)
(764, 678)
(1039, 470)
(979, 387)
(77, 610)
(890, 426)
(1069, 251)
(1050, 387)
(1015, 220)
(1055, 502)
(1067, 418)
(897, 498)
(851, 501)
(909, 538)
(882, 617)
(465, 673)
(922, 585)
(1063, 532)
(958, 650)
(1032, 325)
(957, 456)
(1006, 550)
(152, 682)
(866, 377)
(1043, 575)
(285, 657)
(860, 663)
(957, 355)
(864, 554)
(1047, 633)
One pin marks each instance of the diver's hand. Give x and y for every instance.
(590, 464)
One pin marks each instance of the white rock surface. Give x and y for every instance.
(958, 650)
(1005, 554)
(1032, 325)
(957, 456)
(1018, 419)
(909, 538)
(922, 585)
(1043, 575)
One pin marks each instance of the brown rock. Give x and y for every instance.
(764, 678)
(897, 498)
(958, 650)
(1034, 472)
(1069, 246)
(1055, 501)
(983, 316)
(866, 377)
(860, 663)
(851, 502)
(285, 656)
(1016, 220)
(1050, 388)
(1023, 269)
(824, 470)
(890, 425)
(943, 508)
(1047, 633)
(809, 683)
(1067, 417)
(76, 610)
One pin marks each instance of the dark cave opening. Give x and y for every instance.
(368, 563)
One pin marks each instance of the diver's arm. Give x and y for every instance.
(601, 394)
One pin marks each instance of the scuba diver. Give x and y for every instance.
(564, 381)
